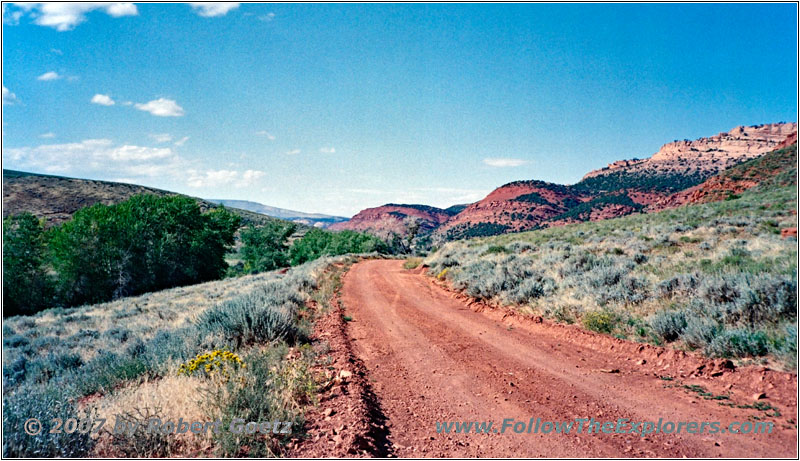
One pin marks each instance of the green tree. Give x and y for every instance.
(310, 247)
(266, 248)
(27, 287)
(145, 243)
(317, 242)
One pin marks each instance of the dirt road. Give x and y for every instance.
(431, 357)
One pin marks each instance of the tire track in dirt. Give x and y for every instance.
(430, 357)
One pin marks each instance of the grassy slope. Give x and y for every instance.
(123, 358)
(715, 277)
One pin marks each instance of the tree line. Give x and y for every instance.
(268, 247)
(147, 243)
(104, 252)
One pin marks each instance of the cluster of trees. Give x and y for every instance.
(267, 247)
(657, 182)
(146, 243)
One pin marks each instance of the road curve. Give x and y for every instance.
(431, 358)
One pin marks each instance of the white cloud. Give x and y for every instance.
(161, 107)
(64, 16)
(97, 157)
(9, 98)
(212, 9)
(104, 159)
(47, 76)
(160, 137)
(267, 17)
(56, 51)
(47, 135)
(102, 99)
(118, 10)
(265, 134)
(129, 153)
(327, 150)
(223, 178)
(504, 162)
(250, 177)
(293, 152)
(181, 141)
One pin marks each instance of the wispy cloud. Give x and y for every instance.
(47, 135)
(11, 18)
(504, 162)
(293, 152)
(48, 76)
(267, 17)
(181, 141)
(56, 51)
(327, 150)
(265, 134)
(63, 16)
(9, 98)
(161, 107)
(102, 99)
(160, 137)
(213, 9)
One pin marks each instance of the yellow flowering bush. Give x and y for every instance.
(212, 364)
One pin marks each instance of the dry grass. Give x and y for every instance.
(170, 399)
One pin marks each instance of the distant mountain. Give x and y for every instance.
(668, 178)
(56, 198)
(514, 207)
(393, 218)
(309, 219)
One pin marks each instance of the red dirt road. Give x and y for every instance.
(430, 357)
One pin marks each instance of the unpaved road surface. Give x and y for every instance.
(431, 357)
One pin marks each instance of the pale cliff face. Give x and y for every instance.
(710, 155)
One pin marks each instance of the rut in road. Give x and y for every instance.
(431, 358)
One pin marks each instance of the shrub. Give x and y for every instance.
(602, 321)
(532, 287)
(219, 363)
(412, 263)
(166, 347)
(683, 284)
(764, 299)
(700, 332)
(269, 388)
(785, 346)
(718, 290)
(669, 325)
(108, 370)
(739, 342)
(259, 316)
(496, 249)
(143, 443)
(43, 403)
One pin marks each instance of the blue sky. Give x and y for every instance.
(334, 108)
